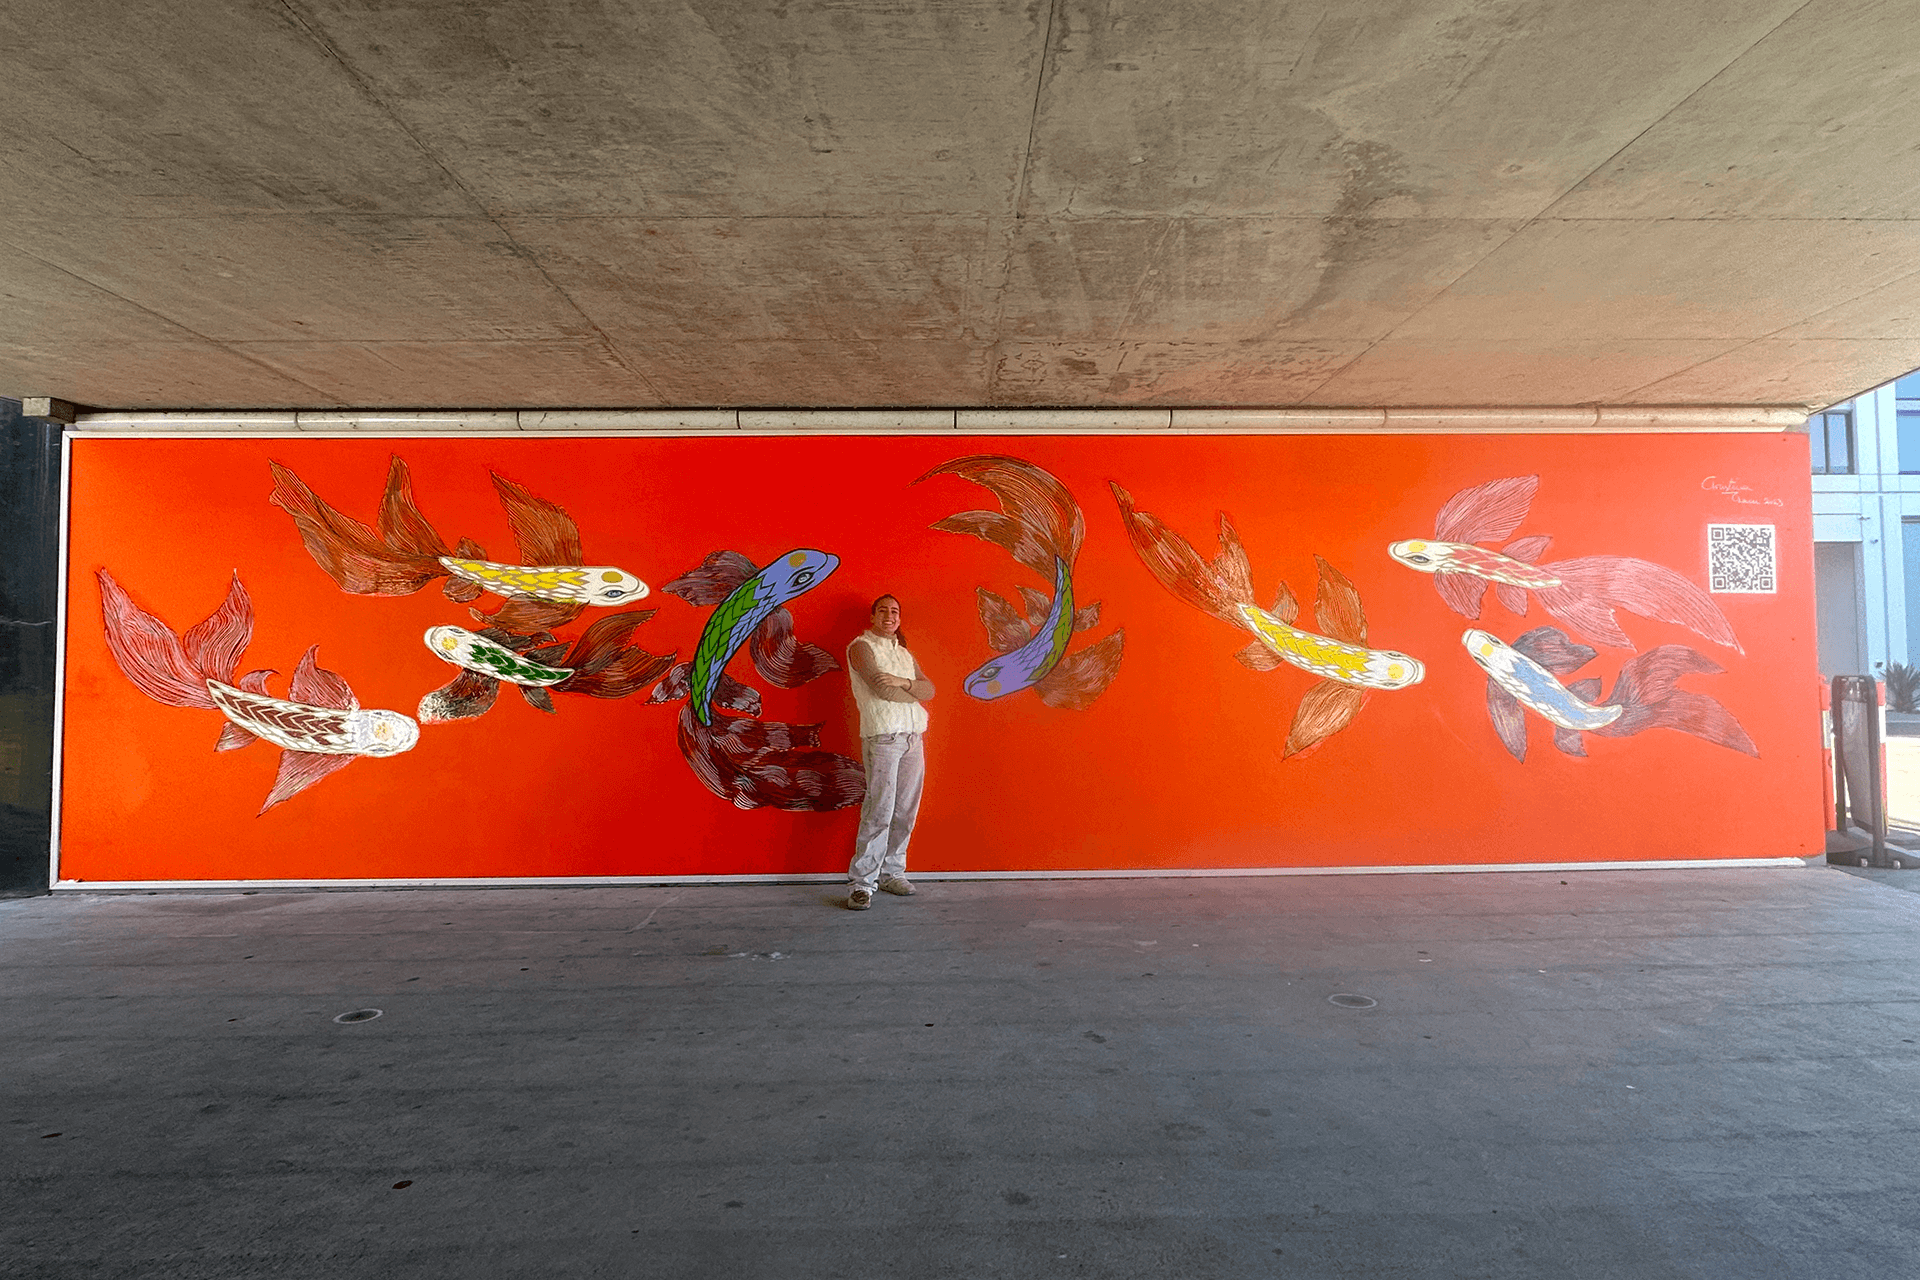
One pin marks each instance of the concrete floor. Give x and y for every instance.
(1655, 1074)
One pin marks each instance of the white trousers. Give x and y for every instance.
(896, 765)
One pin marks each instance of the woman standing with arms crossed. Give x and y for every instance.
(888, 687)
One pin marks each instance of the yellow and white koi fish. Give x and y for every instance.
(599, 584)
(1351, 664)
(547, 588)
(1224, 588)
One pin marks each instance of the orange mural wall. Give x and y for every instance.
(1178, 763)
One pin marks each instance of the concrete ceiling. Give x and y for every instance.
(939, 202)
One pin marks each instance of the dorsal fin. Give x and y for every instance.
(1005, 630)
(1527, 550)
(316, 686)
(1285, 607)
(1037, 603)
(1231, 565)
(714, 580)
(399, 521)
(1336, 606)
(544, 531)
(1488, 512)
(1552, 649)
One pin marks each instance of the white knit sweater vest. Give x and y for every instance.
(877, 714)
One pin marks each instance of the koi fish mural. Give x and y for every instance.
(1528, 674)
(1582, 592)
(600, 664)
(1224, 588)
(1041, 527)
(753, 762)
(320, 727)
(401, 553)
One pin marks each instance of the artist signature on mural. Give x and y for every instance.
(1737, 492)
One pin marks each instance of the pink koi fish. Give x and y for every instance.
(320, 728)
(1583, 592)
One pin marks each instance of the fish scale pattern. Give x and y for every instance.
(292, 726)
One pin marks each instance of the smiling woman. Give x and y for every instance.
(888, 687)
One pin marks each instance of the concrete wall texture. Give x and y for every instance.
(316, 203)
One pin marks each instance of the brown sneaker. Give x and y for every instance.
(896, 884)
(859, 900)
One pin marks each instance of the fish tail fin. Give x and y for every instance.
(168, 668)
(605, 665)
(1647, 692)
(1042, 522)
(359, 559)
(1080, 678)
(1174, 563)
(1592, 587)
(769, 764)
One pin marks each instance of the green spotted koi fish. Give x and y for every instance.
(601, 664)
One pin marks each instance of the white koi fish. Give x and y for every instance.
(320, 729)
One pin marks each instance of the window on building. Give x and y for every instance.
(1832, 436)
(1909, 422)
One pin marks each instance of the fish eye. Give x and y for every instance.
(803, 577)
(614, 593)
(1418, 559)
(988, 673)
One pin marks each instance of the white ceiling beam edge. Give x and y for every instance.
(783, 422)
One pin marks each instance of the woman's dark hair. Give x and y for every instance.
(900, 635)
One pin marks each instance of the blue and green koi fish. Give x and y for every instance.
(1040, 526)
(752, 762)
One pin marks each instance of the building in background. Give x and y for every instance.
(1866, 528)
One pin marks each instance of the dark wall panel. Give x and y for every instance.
(29, 548)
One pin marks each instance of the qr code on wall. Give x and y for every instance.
(1740, 558)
